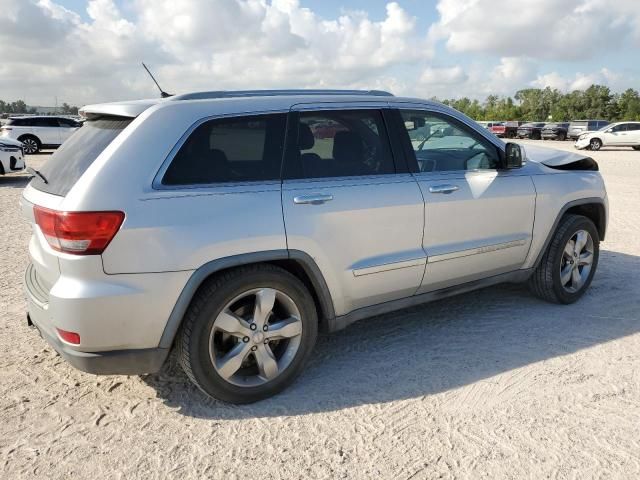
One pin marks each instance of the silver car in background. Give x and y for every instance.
(233, 226)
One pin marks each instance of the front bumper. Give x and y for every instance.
(12, 162)
(582, 143)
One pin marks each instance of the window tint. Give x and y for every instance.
(17, 122)
(67, 123)
(633, 126)
(341, 143)
(442, 144)
(230, 150)
(74, 157)
(45, 122)
(619, 128)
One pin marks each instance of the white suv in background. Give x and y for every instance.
(621, 134)
(38, 132)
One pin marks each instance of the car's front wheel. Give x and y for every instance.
(595, 144)
(567, 267)
(248, 333)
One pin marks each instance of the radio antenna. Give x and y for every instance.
(163, 94)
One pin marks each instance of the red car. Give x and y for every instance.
(507, 129)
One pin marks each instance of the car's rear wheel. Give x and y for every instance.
(567, 267)
(30, 144)
(248, 333)
(595, 144)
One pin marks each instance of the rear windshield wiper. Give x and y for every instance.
(33, 171)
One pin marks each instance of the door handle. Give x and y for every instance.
(443, 188)
(313, 199)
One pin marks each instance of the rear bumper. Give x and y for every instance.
(117, 362)
(119, 327)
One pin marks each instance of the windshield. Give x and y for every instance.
(76, 154)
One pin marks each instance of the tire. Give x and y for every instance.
(546, 281)
(595, 144)
(203, 346)
(636, 147)
(30, 144)
(561, 136)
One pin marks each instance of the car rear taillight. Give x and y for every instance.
(81, 233)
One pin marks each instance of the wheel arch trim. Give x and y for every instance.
(203, 272)
(601, 226)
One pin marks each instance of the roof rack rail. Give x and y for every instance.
(275, 93)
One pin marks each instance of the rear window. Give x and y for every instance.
(579, 124)
(239, 149)
(76, 154)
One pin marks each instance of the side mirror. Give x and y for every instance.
(513, 156)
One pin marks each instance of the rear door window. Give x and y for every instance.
(340, 143)
(74, 157)
(238, 149)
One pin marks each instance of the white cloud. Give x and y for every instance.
(197, 44)
(582, 81)
(443, 76)
(571, 29)
(489, 47)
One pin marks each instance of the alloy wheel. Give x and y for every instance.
(576, 262)
(255, 337)
(595, 144)
(29, 145)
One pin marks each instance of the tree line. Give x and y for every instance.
(19, 106)
(596, 102)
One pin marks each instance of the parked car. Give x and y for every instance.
(532, 130)
(11, 156)
(578, 127)
(38, 132)
(249, 236)
(489, 124)
(506, 130)
(620, 134)
(555, 131)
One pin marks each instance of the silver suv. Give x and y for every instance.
(234, 226)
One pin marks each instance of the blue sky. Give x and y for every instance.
(90, 49)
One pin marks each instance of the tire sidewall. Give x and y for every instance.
(597, 142)
(578, 224)
(201, 366)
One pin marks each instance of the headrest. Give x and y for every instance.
(347, 147)
(305, 137)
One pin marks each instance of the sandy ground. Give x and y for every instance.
(494, 384)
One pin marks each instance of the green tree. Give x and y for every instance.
(629, 105)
